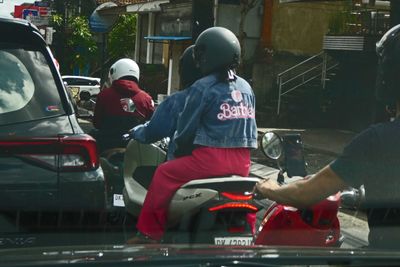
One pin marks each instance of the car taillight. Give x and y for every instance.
(61, 153)
(234, 205)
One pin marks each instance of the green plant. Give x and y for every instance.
(80, 42)
(121, 39)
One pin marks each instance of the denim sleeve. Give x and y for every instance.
(188, 121)
(162, 124)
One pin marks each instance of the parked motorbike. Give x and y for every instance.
(284, 225)
(216, 210)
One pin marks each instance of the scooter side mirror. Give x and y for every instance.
(295, 164)
(271, 145)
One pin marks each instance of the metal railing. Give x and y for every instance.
(303, 73)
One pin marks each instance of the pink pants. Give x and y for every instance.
(169, 176)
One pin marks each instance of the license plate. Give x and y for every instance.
(118, 200)
(233, 241)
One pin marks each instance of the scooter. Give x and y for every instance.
(317, 226)
(216, 210)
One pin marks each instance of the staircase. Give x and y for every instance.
(301, 88)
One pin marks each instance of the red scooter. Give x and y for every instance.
(282, 225)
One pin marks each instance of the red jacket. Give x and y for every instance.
(108, 103)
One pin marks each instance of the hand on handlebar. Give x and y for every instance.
(260, 190)
(126, 137)
(129, 135)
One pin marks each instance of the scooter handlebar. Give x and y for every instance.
(126, 137)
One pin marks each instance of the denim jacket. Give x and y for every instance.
(163, 122)
(218, 114)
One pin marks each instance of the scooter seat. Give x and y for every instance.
(230, 183)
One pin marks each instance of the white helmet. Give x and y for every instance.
(124, 67)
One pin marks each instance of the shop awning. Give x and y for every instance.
(142, 7)
(152, 6)
(164, 39)
(292, 1)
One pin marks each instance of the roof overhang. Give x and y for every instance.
(144, 7)
(293, 1)
(153, 6)
(167, 39)
(115, 10)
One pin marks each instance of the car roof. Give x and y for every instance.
(80, 77)
(20, 31)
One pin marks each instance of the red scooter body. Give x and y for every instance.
(288, 226)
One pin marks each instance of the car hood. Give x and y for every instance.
(194, 255)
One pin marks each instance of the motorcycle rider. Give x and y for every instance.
(122, 105)
(164, 120)
(371, 158)
(217, 122)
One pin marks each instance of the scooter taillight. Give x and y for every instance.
(239, 229)
(234, 205)
(236, 197)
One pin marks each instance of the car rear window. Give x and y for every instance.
(27, 86)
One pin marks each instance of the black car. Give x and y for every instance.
(49, 169)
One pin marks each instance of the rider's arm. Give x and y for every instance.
(162, 123)
(189, 120)
(349, 169)
(98, 114)
(303, 193)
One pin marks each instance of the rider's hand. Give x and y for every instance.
(131, 131)
(264, 186)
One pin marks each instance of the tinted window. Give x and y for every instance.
(27, 86)
(16, 85)
(69, 81)
(81, 81)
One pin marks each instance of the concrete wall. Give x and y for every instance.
(299, 28)
(229, 17)
(297, 33)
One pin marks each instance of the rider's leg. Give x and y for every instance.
(204, 162)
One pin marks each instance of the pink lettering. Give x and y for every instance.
(241, 111)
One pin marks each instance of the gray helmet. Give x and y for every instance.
(188, 70)
(216, 49)
(388, 77)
